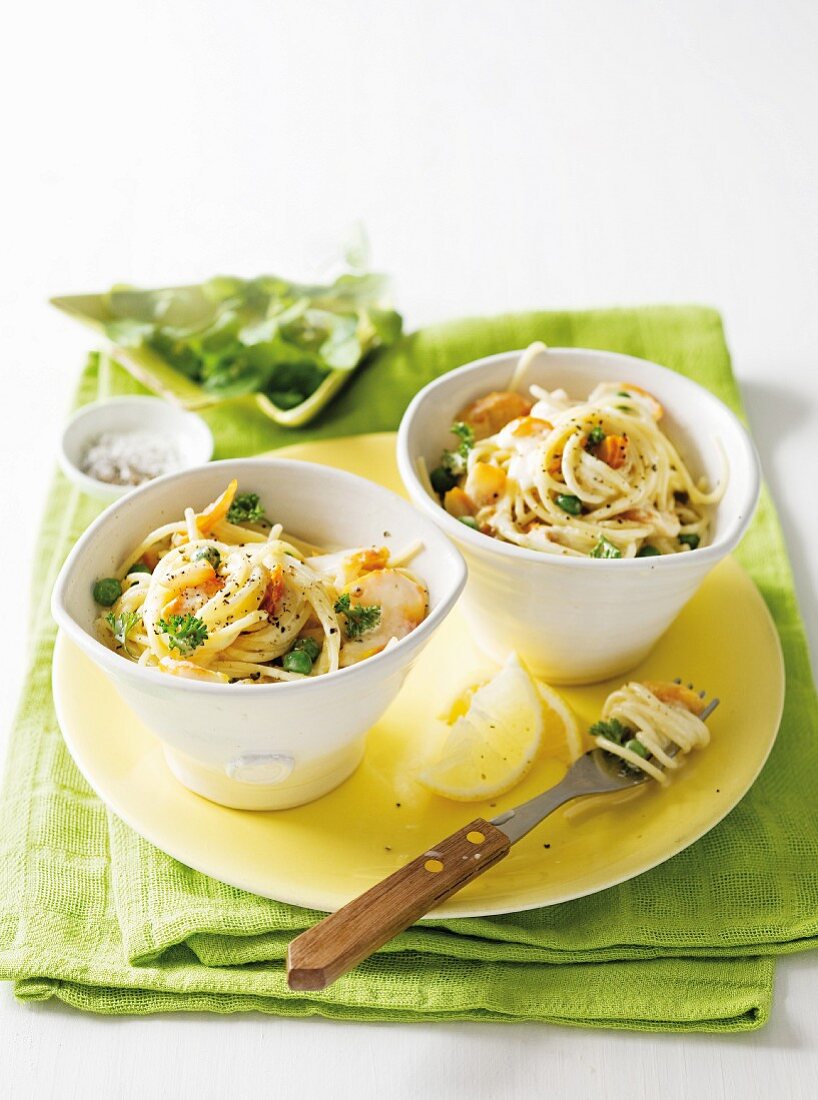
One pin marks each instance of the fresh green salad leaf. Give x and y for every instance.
(265, 335)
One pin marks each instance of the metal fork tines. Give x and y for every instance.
(595, 772)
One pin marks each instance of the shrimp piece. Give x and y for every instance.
(216, 511)
(530, 426)
(403, 603)
(488, 414)
(273, 592)
(364, 561)
(485, 483)
(190, 671)
(675, 694)
(613, 450)
(458, 503)
(655, 407)
(192, 599)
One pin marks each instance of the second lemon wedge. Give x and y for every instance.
(492, 746)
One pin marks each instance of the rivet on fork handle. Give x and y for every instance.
(338, 943)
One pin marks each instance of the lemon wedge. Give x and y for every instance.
(493, 744)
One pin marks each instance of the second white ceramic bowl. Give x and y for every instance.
(262, 746)
(578, 620)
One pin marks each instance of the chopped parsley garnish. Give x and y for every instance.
(613, 730)
(569, 503)
(596, 435)
(465, 434)
(123, 625)
(246, 508)
(184, 632)
(453, 463)
(605, 549)
(209, 554)
(360, 618)
(690, 540)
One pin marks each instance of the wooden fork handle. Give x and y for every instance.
(319, 956)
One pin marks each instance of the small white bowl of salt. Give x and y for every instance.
(113, 446)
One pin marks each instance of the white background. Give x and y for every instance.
(503, 155)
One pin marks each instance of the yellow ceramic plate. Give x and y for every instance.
(323, 854)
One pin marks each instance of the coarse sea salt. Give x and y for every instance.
(129, 458)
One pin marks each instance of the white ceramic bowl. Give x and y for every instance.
(577, 620)
(191, 438)
(262, 746)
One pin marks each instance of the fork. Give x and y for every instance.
(335, 945)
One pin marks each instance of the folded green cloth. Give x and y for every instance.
(94, 915)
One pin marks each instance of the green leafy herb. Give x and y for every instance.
(246, 508)
(209, 554)
(453, 463)
(605, 549)
(595, 436)
(465, 433)
(569, 503)
(690, 540)
(648, 551)
(637, 747)
(613, 730)
(184, 632)
(235, 336)
(123, 625)
(107, 591)
(360, 618)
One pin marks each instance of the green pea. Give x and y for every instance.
(469, 521)
(648, 551)
(569, 503)
(107, 591)
(690, 540)
(637, 747)
(139, 567)
(442, 479)
(297, 661)
(209, 553)
(309, 646)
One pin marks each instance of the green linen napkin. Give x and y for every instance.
(94, 915)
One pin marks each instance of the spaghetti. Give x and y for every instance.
(224, 596)
(650, 726)
(595, 478)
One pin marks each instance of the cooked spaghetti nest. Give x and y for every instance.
(651, 726)
(231, 601)
(595, 477)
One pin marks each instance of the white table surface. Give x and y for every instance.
(502, 156)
